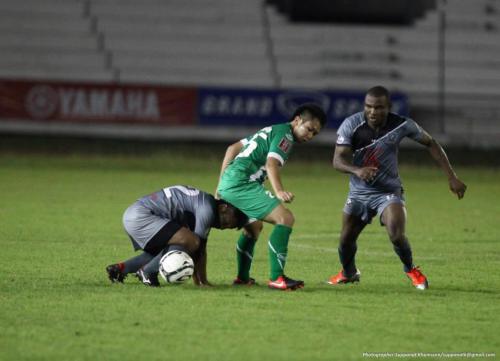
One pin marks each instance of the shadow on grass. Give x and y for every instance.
(310, 287)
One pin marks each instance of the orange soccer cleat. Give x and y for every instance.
(418, 279)
(339, 278)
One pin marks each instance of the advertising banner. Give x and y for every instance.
(251, 107)
(97, 103)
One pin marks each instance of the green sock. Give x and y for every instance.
(244, 256)
(278, 249)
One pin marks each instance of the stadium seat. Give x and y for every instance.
(235, 43)
(53, 39)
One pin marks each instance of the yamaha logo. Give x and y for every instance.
(288, 102)
(41, 101)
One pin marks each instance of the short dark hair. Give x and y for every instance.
(379, 91)
(311, 109)
(241, 218)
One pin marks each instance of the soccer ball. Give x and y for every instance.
(176, 267)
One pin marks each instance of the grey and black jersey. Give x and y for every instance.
(187, 206)
(377, 149)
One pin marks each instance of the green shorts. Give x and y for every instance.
(251, 198)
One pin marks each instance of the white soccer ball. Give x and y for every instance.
(176, 267)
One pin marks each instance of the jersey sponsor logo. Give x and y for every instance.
(372, 157)
(285, 145)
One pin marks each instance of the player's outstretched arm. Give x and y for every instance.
(231, 153)
(342, 161)
(273, 167)
(437, 152)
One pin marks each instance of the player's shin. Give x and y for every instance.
(347, 253)
(278, 249)
(403, 250)
(244, 256)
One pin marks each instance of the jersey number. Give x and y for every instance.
(186, 190)
(252, 144)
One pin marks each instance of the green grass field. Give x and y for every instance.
(61, 225)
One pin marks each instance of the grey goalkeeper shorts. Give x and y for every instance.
(146, 230)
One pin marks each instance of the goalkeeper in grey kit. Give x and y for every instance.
(174, 218)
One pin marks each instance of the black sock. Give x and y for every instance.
(347, 251)
(133, 264)
(405, 255)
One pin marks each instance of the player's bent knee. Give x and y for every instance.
(287, 219)
(258, 227)
(344, 240)
(281, 215)
(253, 230)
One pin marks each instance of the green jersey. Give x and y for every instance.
(250, 164)
(241, 182)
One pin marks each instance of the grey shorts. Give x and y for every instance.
(368, 206)
(146, 230)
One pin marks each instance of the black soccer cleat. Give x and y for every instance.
(150, 280)
(115, 273)
(285, 283)
(239, 282)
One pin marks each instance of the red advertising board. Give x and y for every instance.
(97, 102)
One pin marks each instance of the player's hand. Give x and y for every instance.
(204, 284)
(366, 173)
(285, 196)
(458, 187)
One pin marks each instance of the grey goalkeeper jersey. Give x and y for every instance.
(376, 149)
(187, 206)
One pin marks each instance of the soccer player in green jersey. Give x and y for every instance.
(245, 167)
